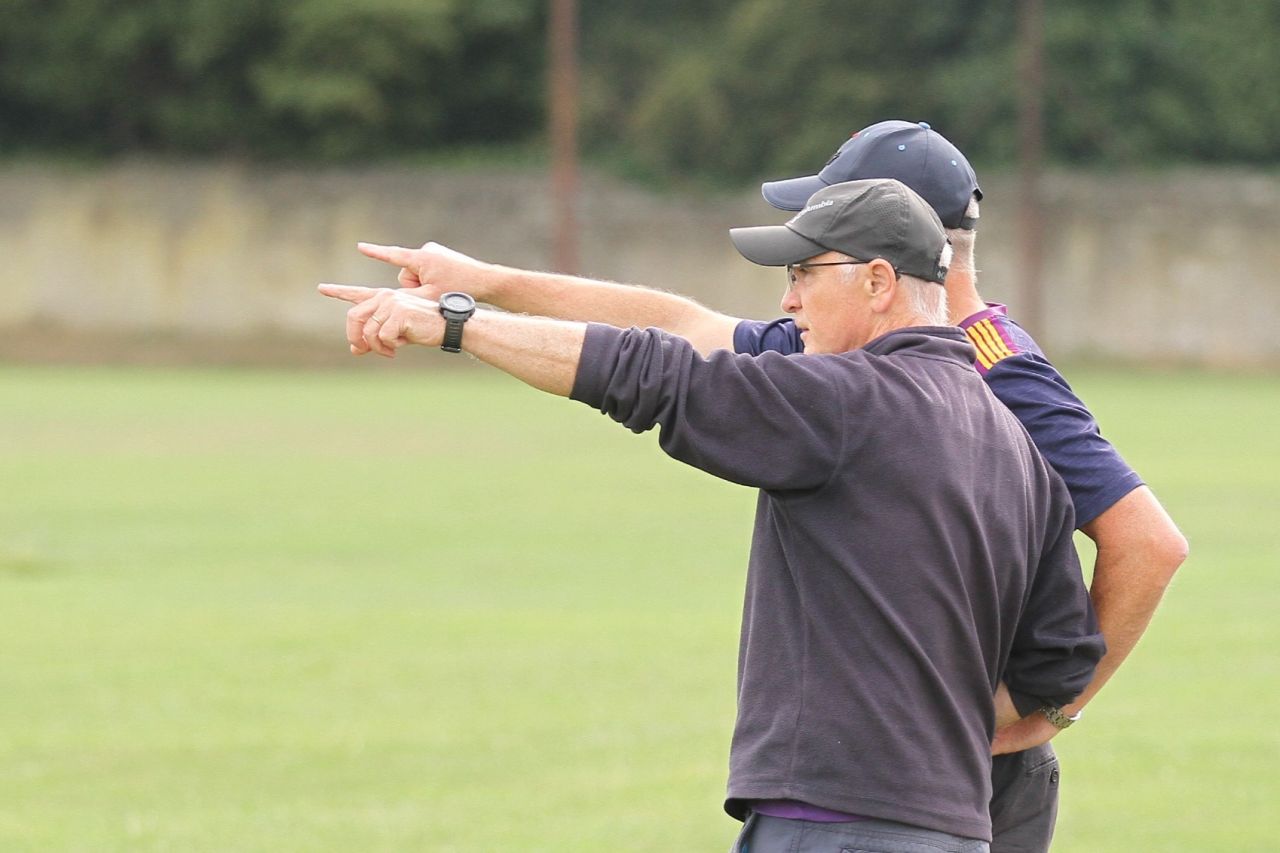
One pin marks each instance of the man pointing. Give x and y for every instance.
(1139, 548)
(911, 549)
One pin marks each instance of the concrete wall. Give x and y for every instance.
(1182, 267)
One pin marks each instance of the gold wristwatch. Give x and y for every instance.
(1059, 719)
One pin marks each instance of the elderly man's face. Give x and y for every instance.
(830, 310)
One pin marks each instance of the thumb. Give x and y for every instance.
(347, 292)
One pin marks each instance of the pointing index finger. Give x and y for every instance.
(347, 292)
(396, 255)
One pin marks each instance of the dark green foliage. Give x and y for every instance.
(309, 78)
(722, 89)
(770, 87)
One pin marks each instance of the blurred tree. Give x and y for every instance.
(766, 87)
(328, 78)
(626, 47)
(352, 77)
(1223, 104)
(727, 89)
(775, 87)
(1116, 92)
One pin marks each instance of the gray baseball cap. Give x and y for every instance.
(879, 218)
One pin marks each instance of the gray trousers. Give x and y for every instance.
(1024, 800)
(764, 834)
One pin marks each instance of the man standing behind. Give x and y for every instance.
(911, 549)
(1138, 546)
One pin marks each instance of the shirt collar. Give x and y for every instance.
(993, 309)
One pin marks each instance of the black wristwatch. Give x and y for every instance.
(456, 308)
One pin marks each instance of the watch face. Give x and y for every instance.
(459, 302)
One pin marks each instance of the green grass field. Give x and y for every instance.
(393, 610)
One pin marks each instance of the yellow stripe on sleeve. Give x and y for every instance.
(984, 356)
(996, 343)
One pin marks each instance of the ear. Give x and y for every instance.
(881, 284)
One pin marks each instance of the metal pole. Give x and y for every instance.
(563, 43)
(1031, 162)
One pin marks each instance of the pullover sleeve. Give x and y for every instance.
(771, 422)
(1057, 644)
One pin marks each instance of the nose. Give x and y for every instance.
(790, 303)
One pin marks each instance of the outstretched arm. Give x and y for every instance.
(643, 378)
(438, 269)
(539, 351)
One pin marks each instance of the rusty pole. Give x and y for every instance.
(563, 88)
(1031, 163)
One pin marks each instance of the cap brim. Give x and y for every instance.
(791, 194)
(773, 245)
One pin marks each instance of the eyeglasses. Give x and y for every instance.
(791, 268)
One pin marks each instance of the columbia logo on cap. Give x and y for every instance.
(810, 209)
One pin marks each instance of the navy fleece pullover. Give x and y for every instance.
(911, 549)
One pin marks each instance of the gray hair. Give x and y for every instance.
(962, 240)
(925, 299)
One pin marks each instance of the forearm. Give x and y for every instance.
(1139, 549)
(1137, 557)
(539, 351)
(542, 352)
(1124, 608)
(622, 305)
(434, 270)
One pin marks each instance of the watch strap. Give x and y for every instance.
(456, 307)
(452, 335)
(1057, 718)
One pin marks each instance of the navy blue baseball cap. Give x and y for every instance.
(911, 152)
